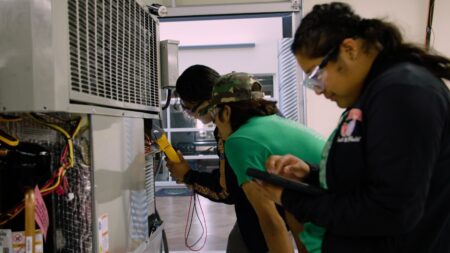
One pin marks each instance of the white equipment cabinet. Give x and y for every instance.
(99, 59)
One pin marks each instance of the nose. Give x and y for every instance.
(319, 90)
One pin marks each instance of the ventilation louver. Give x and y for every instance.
(113, 54)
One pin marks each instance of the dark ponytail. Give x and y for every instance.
(242, 111)
(328, 24)
(376, 31)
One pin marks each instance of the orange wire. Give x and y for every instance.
(45, 190)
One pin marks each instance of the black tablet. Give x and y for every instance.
(285, 182)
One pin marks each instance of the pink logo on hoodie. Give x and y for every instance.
(348, 126)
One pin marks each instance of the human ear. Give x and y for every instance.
(226, 113)
(350, 48)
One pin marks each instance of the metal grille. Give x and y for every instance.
(113, 52)
(290, 97)
(70, 213)
(74, 211)
(150, 183)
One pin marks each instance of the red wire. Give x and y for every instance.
(59, 173)
(206, 228)
(64, 155)
(19, 207)
(187, 222)
(186, 234)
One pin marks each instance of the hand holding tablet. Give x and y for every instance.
(285, 182)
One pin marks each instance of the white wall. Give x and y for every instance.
(322, 115)
(440, 38)
(264, 32)
(260, 59)
(409, 15)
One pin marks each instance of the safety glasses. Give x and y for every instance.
(190, 109)
(199, 109)
(314, 79)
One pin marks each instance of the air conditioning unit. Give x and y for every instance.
(98, 60)
(84, 56)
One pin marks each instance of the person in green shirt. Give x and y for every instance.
(252, 133)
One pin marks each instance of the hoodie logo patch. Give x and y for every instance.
(347, 131)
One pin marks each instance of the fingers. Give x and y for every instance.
(170, 163)
(180, 155)
(271, 161)
(288, 165)
(178, 169)
(276, 163)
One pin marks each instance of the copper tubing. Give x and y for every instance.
(4, 152)
(30, 226)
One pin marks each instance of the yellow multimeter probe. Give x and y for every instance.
(164, 144)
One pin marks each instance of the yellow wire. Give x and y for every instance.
(62, 169)
(61, 130)
(17, 211)
(11, 216)
(60, 174)
(11, 143)
(70, 143)
(71, 159)
(10, 119)
(77, 129)
(64, 132)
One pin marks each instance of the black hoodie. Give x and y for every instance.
(388, 168)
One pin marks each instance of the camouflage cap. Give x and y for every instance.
(234, 87)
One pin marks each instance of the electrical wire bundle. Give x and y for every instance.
(6, 138)
(193, 208)
(187, 230)
(58, 183)
(148, 145)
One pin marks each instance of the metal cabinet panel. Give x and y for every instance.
(119, 179)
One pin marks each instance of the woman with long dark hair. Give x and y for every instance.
(386, 167)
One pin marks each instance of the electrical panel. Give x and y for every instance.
(37, 159)
(99, 191)
(169, 62)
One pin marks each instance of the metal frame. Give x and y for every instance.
(225, 9)
(301, 90)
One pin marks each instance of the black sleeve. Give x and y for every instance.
(313, 176)
(208, 185)
(404, 128)
(211, 185)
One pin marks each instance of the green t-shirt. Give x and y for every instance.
(261, 137)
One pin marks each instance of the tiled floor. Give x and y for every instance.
(220, 218)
